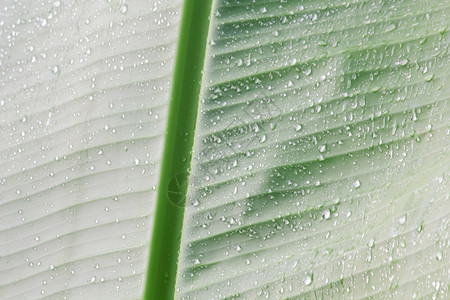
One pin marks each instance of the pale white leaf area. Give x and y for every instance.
(84, 88)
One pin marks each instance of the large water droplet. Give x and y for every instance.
(391, 27)
(124, 8)
(308, 279)
(402, 220)
(429, 77)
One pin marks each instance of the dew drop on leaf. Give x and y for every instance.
(429, 77)
(391, 27)
(308, 279)
(124, 8)
(403, 62)
(402, 220)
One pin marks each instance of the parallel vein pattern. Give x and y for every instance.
(321, 165)
(83, 102)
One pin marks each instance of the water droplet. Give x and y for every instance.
(429, 77)
(439, 256)
(403, 62)
(308, 279)
(55, 69)
(419, 228)
(356, 184)
(322, 148)
(37, 238)
(56, 3)
(298, 127)
(307, 72)
(402, 220)
(124, 8)
(326, 214)
(391, 27)
(92, 280)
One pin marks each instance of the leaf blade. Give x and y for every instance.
(307, 121)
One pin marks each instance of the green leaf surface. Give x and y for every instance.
(321, 165)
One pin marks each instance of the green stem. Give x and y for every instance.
(169, 213)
